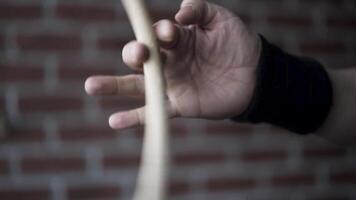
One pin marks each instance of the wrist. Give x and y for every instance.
(291, 92)
(251, 81)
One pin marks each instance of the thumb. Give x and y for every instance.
(198, 12)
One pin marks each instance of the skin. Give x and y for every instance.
(210, 59)
(197, 81)
(340, 126)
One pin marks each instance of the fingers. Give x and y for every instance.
(191, 12)
(136, 117)
(130, 85)
(167, 33)
(134, 54)
(198, 12)
(127, 119)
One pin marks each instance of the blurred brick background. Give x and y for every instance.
(59, 146)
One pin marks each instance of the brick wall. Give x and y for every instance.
(59, 146)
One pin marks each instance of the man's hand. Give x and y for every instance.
(210, 58)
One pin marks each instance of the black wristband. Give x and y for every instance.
(291, 92)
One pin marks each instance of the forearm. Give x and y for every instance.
(340, 125)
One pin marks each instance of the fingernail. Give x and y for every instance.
(114, 122)
(92, 87)
(131, 54)
(166, 32)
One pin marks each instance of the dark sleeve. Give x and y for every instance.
(291, 92)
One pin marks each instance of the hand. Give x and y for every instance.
(210, 59)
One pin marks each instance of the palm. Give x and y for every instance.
(216, 82)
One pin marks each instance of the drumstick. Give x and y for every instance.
(152, 179)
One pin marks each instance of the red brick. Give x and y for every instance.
(89, 133)
(329, 197)
(82, 73)
(25, 135)
(49, 42)
(265, 156)
(50, 104)
(4, 127)
(75, 61)
(322, 47)
(18, 65)
(224, 129)
(342, 23)
(120, 103)
(85, 12)
(268, 2)
(324, 152)
(293, 180)
(12, 73)
(176, 130)
(26, 12)
(2, 42)
(178, 188)
(2, 102)
(347, 177)
(112, 43)
(121, 161)
(54, 164)
(94, 192)
(25, 194)
(196, 158)
(289, 20)
(222, 184)
(333, 3)
(4, 167)
(158, 14)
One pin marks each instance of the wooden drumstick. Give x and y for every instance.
(152, 178)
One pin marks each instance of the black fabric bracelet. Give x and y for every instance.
(291, 92)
